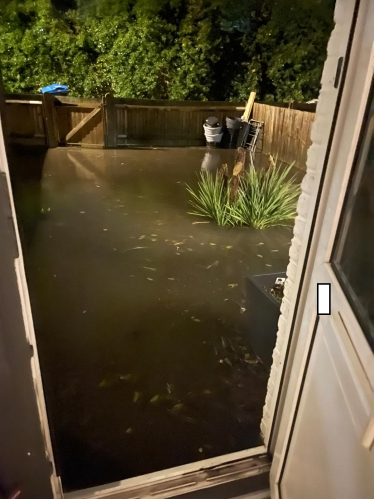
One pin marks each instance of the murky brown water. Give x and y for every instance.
(139, 312)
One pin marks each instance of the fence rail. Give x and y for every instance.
(114, 122)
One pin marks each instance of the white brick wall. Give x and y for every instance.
(305, 208)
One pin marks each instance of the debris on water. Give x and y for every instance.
(171, 279)
(213, 244)
(268, 264)
(242, 310)
(136, 397)
(214, 264)
(105, 383)
(150, 268)
(84, 311)
(137, 248)
(153, 240)
(82, 212)
(207, 392)
(224, 344)
(154, 235)
(228, 247)
(201, 450)
(274, 251)
(231, 286)
(105, 230)
(260, 244)
(195, 223)
(154, 399)
(189, 249)
(178, 407)
(126, 377)
(225, 299)
(228, 361)
(142, 237)
(129, 431)
(195, 319)
(150, 279)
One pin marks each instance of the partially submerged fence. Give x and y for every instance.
(114, 122)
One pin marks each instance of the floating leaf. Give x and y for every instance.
(214, 264)
(137, 248)
(105, 383)
(178, 407)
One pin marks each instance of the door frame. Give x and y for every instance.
(306, 315)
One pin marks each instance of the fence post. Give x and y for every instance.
(50, 124)
(110, 121)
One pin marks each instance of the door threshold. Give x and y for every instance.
(249, 469)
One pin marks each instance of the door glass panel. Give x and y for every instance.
(353, 258)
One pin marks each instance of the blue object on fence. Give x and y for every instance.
(55, 88)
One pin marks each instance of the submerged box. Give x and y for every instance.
(262, 315)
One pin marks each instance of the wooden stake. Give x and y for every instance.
(249, 106)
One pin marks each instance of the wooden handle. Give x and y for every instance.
(248, 107)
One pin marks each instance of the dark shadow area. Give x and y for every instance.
(26, 171)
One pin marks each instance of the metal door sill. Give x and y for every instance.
(249, 470)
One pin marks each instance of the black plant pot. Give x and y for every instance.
(262, 314)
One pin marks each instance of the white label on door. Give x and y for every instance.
(323, 298)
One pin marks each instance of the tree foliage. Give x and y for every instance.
(176, 49)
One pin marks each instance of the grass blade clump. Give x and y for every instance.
(266, 198)
(211, 199)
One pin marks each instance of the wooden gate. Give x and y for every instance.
(74, 122)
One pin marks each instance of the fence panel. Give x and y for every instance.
(286, 131)
(139, 122)
(25, 120)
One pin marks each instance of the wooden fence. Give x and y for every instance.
(113, 123)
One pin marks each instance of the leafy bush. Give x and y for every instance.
(265, 197)
(175, 49)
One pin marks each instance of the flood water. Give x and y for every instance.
(140, 312)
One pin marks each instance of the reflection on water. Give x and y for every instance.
(139, 311)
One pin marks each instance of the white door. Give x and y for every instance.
(328, 452)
